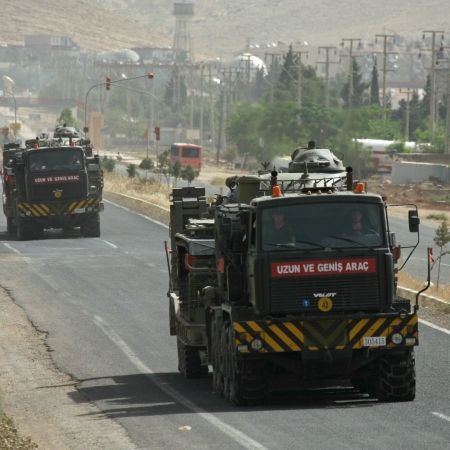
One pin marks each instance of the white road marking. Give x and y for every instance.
(109, 243)
(137, 214)
(241, 438)
(10, 247)
(441, 416)
(436, 327)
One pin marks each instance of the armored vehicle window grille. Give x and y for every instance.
(350, 293)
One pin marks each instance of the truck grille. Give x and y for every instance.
(353, 293)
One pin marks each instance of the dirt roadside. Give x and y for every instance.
(44, 402)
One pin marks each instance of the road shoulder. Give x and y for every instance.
(44, 402)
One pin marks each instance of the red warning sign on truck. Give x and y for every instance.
(317, 267)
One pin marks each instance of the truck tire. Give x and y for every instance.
(11, 226)
(234, 391)
(189, 363)
(217, 358)
(243, 381)
(396, 377)
(24, 230)
(91, 226)
(38, 231)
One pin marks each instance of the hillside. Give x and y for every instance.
(224, 26)
(93, 28)
(220, 27)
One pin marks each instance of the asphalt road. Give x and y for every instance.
(103, 303)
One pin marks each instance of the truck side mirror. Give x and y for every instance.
(413, 221)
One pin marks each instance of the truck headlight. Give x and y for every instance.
(397, 338)
(256, 344)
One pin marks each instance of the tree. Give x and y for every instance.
(441, 239)
(66, 118)
(131, 170)
(188, 174)
(359, 87)
(164, 165)
(374, 87)
(108, 164)
(146, 164)
(287, 81)
(175, 171)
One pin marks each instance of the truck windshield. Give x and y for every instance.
(55, 160)
(322, 225)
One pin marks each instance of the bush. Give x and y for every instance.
(131, 170)
(147, 164)
(188, 174)
(108, 164)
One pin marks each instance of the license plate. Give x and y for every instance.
(79, 210)
(374, 341)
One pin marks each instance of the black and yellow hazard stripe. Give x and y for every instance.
(57, 208)
(33, 209)
(74, 206)
(336, 334)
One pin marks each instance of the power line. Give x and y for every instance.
(433, 76)
(350, 67)
(327, 63)
(385, 38)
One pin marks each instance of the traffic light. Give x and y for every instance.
(157, 133)
(108, 83)
(151, 75)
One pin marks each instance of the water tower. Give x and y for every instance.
(183, 11)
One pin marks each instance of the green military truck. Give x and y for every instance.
(314, 301)
(48, 185)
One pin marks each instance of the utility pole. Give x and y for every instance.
(350, 67)
(446, 61)
(299, 55)
(408, 93)
(447, 122)
(385, 38)
(327, 63)
(273, 58)
(202, 69)
(211, 110)
(433, 77)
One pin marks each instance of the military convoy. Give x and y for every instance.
(52, 183)
(271, 312)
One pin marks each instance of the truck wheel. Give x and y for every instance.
(217, 360)
(38, 231)
(91, 226)
(397, 377)
(24, 230)
(11, 226)
(235, 381)
(189, 363)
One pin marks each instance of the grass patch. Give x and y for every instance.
(10, 438)
(410, 282)
(149, 189)
(437, 216)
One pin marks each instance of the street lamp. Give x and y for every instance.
(8, 84)
(108, 84)
(152, 119)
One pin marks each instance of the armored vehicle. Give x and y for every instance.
(49, 185)
(290, 281)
